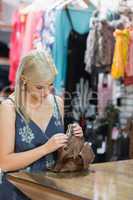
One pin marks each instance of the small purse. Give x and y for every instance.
(76, 156)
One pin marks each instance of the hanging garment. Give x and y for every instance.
(126, 109)
(100, 45)
(48, 33)
(77, 88)
(128, 80)
(128, 77)
(29, 137)
(131, 139)
(45, 31)
(30, 27)
(129, 67)
(81, 21)
(100, 41)
(105, 87)
(121, 53)
(37, 35)
(128, 130)
(122, 147)
(16, 43)
(118, 91)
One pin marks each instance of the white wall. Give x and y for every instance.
(112, 4)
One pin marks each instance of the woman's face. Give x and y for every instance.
(40, 90)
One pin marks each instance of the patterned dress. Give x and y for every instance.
(29, 137)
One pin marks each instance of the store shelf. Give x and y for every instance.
(7, 27)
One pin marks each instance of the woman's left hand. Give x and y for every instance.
(78, 132)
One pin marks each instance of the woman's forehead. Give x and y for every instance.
(40, 80)
(43, 82)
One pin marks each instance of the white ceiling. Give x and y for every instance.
(11, 2)
(96, 2)
(10, 5)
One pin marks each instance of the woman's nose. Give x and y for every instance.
(45, 92)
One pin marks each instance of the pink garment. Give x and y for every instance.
(105, 88)
(37, 36)
(129, 67)
(128, 80)
(31, 24)
(16, 42)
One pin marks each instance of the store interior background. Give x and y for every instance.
(109, 140)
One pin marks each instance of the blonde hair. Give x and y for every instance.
(36, 66)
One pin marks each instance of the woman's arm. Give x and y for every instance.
(11, 161)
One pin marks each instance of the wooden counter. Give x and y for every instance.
(107, 181)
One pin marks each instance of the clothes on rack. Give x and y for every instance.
(118, 92)
(131, 138)
(100, 44)
(105, 89)
(100, 41)
(62, 33)
(30, 27)
(129, 67)
(29, 32)
(122, 61)
(78, 81)
(16, 44)
(85, 49)
(76, 49)
(128, 77)
(48, 30)
(120, 53)
(126, 105)
(45, 31)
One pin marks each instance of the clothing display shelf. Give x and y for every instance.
(5, 27)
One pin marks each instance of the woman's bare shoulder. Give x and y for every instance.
(7, 108)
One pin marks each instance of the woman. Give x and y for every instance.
(31, 122)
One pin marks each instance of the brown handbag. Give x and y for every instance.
(76, 156)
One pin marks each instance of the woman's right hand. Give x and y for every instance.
(56, 141)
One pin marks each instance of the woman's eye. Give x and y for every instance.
(39, 87)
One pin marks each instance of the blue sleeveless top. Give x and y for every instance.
(28, 137)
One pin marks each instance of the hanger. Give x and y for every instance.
(59, 4)
(38, 5)
(41, 5)
(80, 3)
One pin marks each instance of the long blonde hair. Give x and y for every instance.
(36, 66)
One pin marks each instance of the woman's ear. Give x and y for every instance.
(23, 79)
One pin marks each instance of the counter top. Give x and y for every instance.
(106, 181)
